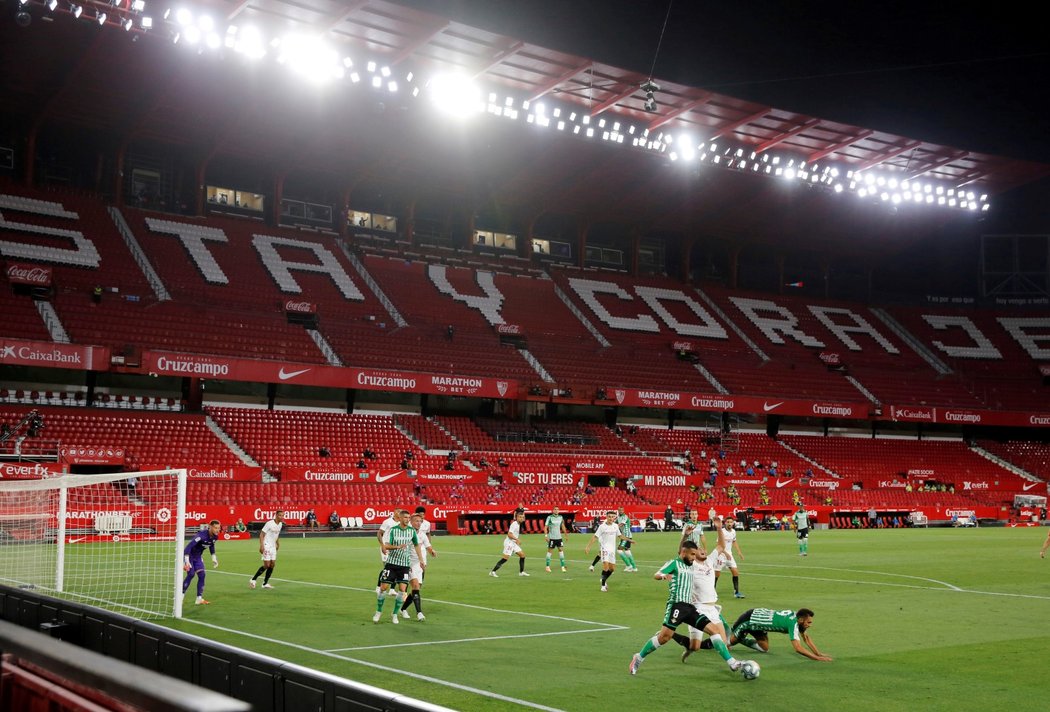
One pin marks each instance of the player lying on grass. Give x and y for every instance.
(753, 627)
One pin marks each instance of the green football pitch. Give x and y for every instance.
(915, 619)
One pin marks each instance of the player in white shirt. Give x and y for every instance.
(269, 543)
(424, 525)
(417, 569)
(512, 545)
(726, 560)
(608, 534)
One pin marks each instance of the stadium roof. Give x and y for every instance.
(134, 87)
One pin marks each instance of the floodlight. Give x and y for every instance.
(371, 66)
(22, 2)
(147, 23)
(206, 23)
(183, 16)
(100, 17)
(455, 95)
(686, 146)
(192, 34)
(385, 71)
(213, 41)
(78, 10)
(377, 81)
(128, 24)
(52, 4)
(355, 77)
(391, 86)
(138, 5)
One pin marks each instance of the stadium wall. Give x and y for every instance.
(268, 684)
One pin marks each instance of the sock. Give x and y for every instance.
(650, 645)
(596, 560)
(705, 644)
(521, 563)
(498, 564)
(736, 584)
(417, 601)
(561, 558)
(200, 584)
(407, 603)
(548, 559)
(186, 581)
(805, 545)
(605, 576)
(266, 578)
(399, 599)
(623, 557)
(719, 645)
(261, 569)
(630, 555)
(683, 640)
(380, 600)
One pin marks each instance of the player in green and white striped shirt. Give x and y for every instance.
(680, 609)
(624, 522)
(397, 569)
(553, 529)
(752, 629)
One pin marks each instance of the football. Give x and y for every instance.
(750, 670)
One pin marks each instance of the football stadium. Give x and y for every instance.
(485, 355)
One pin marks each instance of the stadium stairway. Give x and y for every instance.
(235, 448)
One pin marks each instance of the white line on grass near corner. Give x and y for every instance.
(399, 671)
(862, 571)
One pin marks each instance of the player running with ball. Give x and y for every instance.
(680, 575)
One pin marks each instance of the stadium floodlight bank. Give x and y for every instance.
(111, 540)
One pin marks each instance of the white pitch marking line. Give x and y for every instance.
(953, 589)
(399, 671)
(863, 571)
(475, 640)
(610, 626)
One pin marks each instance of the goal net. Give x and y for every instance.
(113, 541)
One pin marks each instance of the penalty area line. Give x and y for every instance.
(384, 668)
(475, 640)
(317, 584)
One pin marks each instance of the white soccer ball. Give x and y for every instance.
(750, 670)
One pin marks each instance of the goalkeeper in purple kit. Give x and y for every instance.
(193, 558)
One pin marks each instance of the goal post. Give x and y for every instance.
(110, 540)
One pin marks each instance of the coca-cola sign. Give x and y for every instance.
(510, 329)
(686, 346)
(33, 275)
(830, 358)
(300, 307)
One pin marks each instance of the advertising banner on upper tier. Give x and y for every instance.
(353, 475)
(233, 369)
(47, 353)
(737, 404)
(968, 416)
(233, 473)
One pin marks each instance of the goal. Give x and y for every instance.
(113, 541)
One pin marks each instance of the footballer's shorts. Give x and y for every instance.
(625, 544)
(510, 547)
(416, 573)
(269, 553)
(712, 613)
(555, 544)
(741, 627)
(394, 575)
(803, 533)
(608, 556)
(726, 561)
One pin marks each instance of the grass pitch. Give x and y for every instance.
(915, 619)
